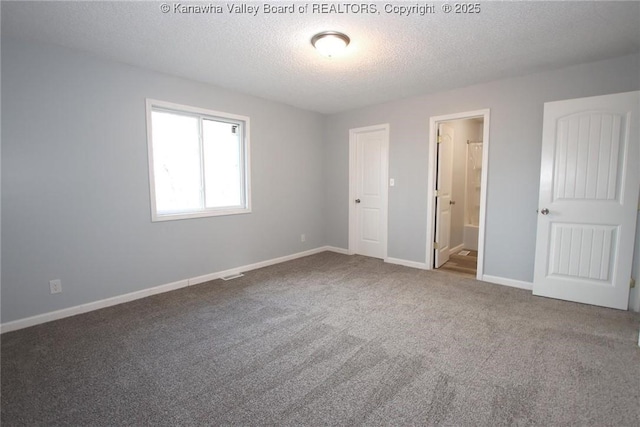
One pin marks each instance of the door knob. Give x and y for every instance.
(357, 200)
(544, 211)
(452, 202)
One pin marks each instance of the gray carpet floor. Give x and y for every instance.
(329, 340)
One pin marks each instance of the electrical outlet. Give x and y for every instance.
(55, 286)
(303, 237)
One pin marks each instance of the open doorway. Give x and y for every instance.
(457, 189)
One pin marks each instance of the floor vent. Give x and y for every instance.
(464, 253)
(233, 276)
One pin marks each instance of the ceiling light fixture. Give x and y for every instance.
(330, 43)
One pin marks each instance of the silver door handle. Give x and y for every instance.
(544, 211)
(357, 200)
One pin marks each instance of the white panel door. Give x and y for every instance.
(443, 193)
(371, 190)
(589, 186)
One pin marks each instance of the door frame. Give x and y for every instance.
(434, 121)
(353, 217)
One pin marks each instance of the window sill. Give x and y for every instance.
(199, 214)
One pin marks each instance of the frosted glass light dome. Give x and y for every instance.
(330, 43)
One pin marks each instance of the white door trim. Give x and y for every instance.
(431, 182)
(353, 217)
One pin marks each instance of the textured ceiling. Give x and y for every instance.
(390, 56)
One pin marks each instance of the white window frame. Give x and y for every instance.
(202, 113)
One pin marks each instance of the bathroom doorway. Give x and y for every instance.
(457, 186)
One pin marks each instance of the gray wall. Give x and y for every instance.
(514, 158)
(75, 186)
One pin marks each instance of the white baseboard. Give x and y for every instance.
(486, 278)
(337, 250)
(119, 299)
(91, 306)
(508, 282)
(456, 249)
(404, 262)
(233, 271)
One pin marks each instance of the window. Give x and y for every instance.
(198, 162)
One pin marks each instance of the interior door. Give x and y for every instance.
(588, 199)
(371, 191)
(443, 193)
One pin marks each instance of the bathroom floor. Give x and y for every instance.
(464, 261)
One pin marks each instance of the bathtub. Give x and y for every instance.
(470, 237)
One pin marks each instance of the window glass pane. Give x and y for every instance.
(222, 145)
(176, 162)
